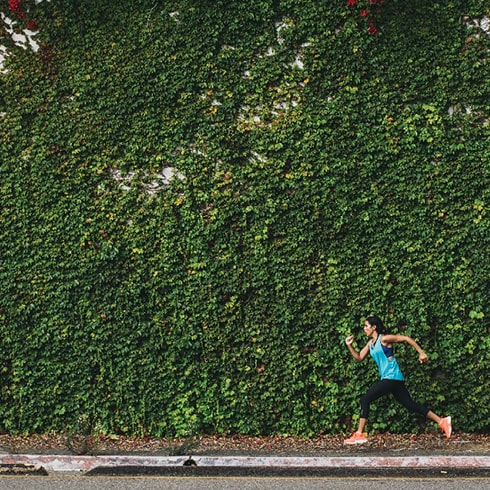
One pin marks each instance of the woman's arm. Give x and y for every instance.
(358, 356)
(390, 339)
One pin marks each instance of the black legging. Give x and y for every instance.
(397, 389)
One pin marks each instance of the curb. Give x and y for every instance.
(85, 464)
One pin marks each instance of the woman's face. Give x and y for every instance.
(369, 329)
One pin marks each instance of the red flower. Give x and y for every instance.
(369, 10)
(14, 6)
(372, 29)
(32, 25)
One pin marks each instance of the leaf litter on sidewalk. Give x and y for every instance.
(243, 445)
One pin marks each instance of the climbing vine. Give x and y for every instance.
(200, 200)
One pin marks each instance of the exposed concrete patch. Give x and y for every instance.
(22, 470)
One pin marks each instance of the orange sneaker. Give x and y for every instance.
(356, 438)
(445, 425)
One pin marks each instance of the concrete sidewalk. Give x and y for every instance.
(57, 464)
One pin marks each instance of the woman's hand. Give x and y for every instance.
(423, 358)
(358, 356)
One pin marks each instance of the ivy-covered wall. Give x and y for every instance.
(201, 199)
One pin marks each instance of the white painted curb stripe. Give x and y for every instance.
(65, 463)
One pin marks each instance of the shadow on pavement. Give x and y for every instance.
(288, 472)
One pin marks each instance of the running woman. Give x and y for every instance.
(380, 346)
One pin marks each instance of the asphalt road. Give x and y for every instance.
(190, 483)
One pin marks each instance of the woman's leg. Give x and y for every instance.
(401, 394)
(379, 389)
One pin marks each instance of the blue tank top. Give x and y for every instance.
(384, 358)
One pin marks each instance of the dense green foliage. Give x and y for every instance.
(308, 174)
